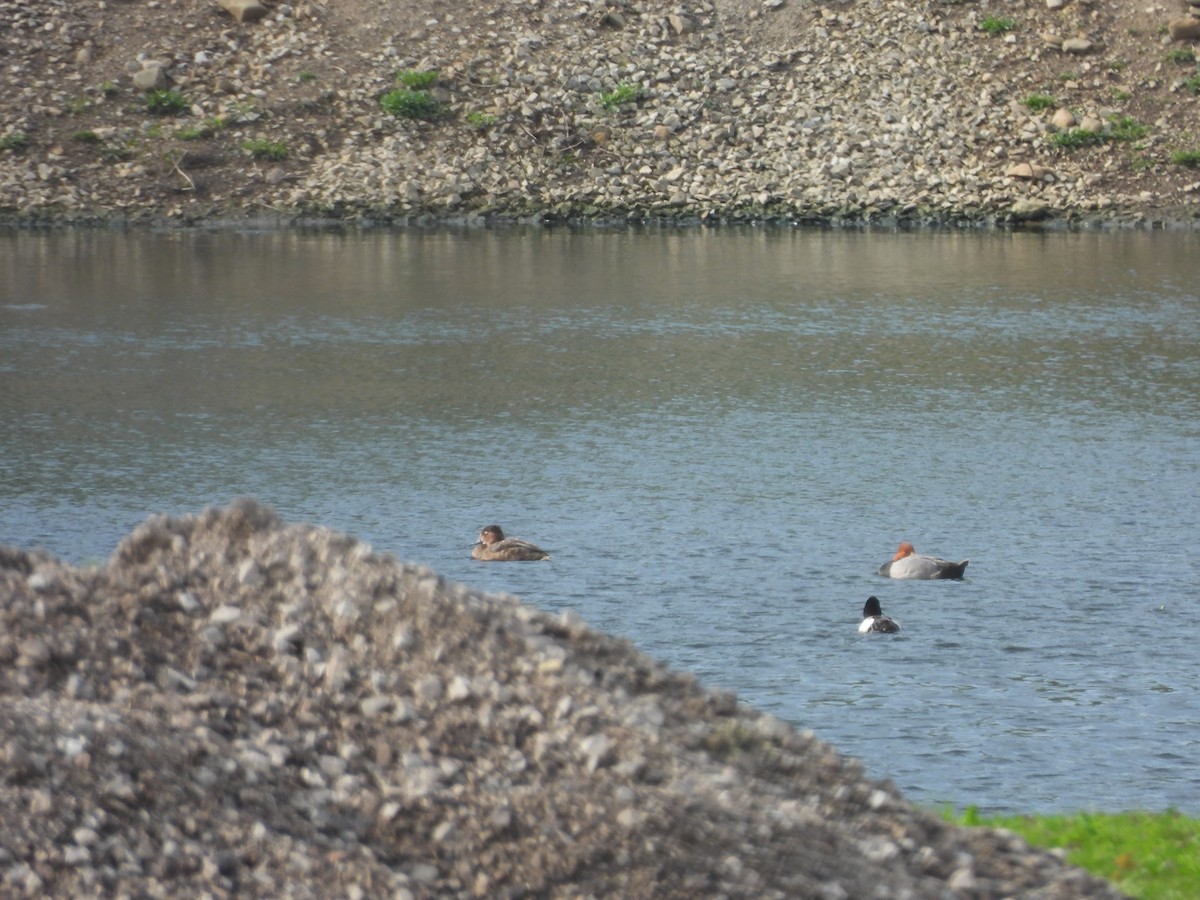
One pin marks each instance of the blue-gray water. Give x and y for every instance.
(719, 434)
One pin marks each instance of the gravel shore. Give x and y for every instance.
(885, 112)
(233, 706)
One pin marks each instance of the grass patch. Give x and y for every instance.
(1124, 129)
(306, 77)
(14, 142)
(1193, 84)
(994, 25)
(1150, 856)
(405, 103)
(166, 103)
(1189, 158)
(1076, 139)
(77, 106)
(623, 93)
(263, 148)
(1039, 102)
(86, 137)
(1180, 56)
(481, 120)
(192, 133)
(416, 80)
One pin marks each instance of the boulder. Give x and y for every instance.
(1186, 28)
(244, 10)
(1063, 119)
(151, 77)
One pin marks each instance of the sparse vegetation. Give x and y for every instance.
(1124, 128)
(86, 137)
(1181, 55)
(1193, 84)
(1076, 138)
(306, 77)
(995, 25)
(1151, 856)
(166, 102)
(481, 120)
(1189, 158)
(192, 133)
(405, 103)
(14, 142)
(416, 80)
(623, 93)
(264, 148)
(1040, 102)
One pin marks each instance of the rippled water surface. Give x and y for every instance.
(719, 434)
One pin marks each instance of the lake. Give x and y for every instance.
(720, 434)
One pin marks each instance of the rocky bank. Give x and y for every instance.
(233, 706)
(868, 111)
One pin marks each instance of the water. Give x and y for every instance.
(720, 436)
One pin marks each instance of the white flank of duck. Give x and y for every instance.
(907, 563)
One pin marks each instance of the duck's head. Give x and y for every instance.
(491, 534)
(906, 549)
(872, 608)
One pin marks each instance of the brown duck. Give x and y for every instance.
(494, 546)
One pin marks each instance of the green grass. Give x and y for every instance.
(13, 142)
(1181, 55)
(481, 120)
(622, 94)
(405, 103)
(1189, 158)
(416, 80)
(262, 148)
(1193, 84)
(1039, 102)
(1124, 128)
(996, 24)
(166, 103)
(1150, 856)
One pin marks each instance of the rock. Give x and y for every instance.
(681, 24)
(1077, 46)
(244, 10)
(1029, 171)
(1026, 210)
(1063, 119)
(1186, 28)
(151, 77)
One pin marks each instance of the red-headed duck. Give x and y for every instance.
(875, 620)
(493, 546)
(907, 563)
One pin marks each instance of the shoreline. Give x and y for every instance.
(735, 113)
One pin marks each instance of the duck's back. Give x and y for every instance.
(509, 550)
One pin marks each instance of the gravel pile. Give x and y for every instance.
(236, 707)
(885, 111)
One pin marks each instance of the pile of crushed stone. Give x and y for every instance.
(233, 706)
